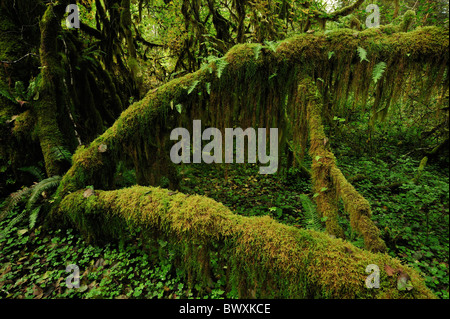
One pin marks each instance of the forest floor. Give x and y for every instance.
(413, 219)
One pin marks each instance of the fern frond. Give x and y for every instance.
(311, 218)
(272, 45)
(257, 50)
(11, 224)
(62, 154)
(5, 93)
(13, 200)
(378, 71)
(33, 170)
(33, 217)
(362, 53)
(192, 87)
(221, 64)
(39, 188)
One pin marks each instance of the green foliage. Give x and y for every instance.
(413, 217)
(257, 50)
(29, 195)
(41, 187)
(362, 53)
(33, 265)
(221, 64)
(311, 218)
(33, 217)
(378, 71)
(124, 177)
(193, 86)
(246, 192)
(62, 154)
(242, 190)
(5, 93)
(271, 45)
(35, 171)
(20, 93)
(179, 108)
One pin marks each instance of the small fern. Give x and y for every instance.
(271, 45)
(5, 93)
(13, 200)
(378, 71)
(221, 64)
(193, 86)
(32, 193)
(257, 50)
(12, 223)
(20, 91)
(33, 217)
(362, 53)
(33, 170)
(61, 154)
(311, 218)
(39, 188)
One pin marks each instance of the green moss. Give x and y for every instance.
(329, 183)
(265, 258)
(24, 124)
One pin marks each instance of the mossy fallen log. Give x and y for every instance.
(265, 259)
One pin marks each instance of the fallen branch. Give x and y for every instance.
(263, 258)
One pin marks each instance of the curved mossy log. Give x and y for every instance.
(258, 86)
(328, 181)
(264, 258)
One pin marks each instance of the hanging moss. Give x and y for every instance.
(329, 182)
(244, 85)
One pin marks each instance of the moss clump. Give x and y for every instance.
(24, 124)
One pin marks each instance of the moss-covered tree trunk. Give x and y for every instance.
(51, 89)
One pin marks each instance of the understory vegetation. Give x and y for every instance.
(412, 217)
